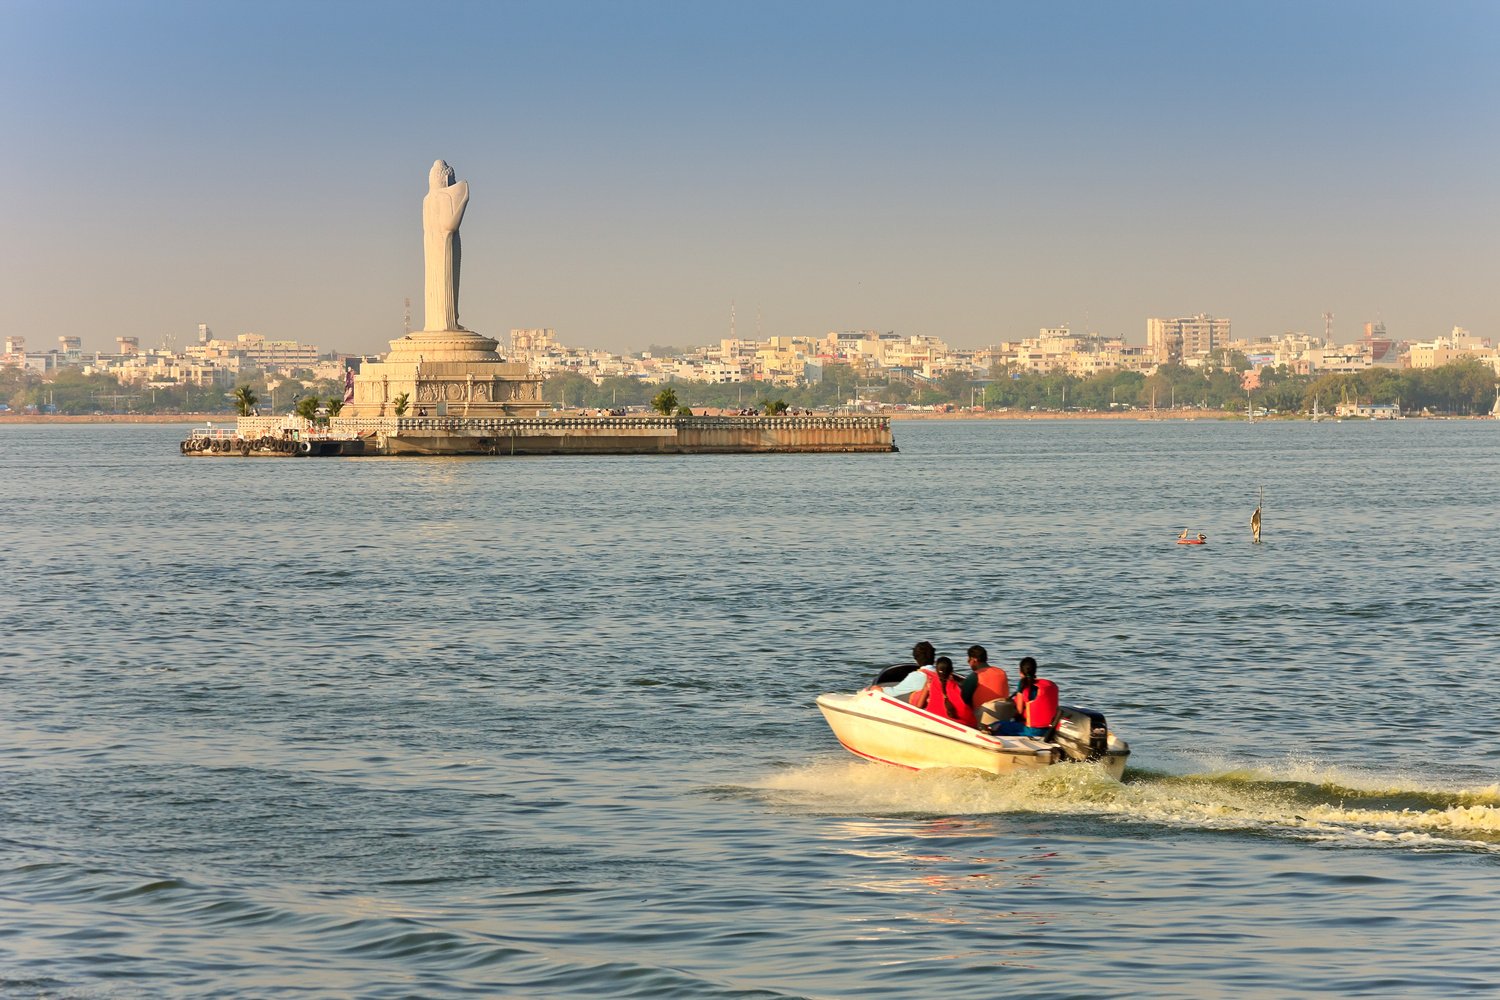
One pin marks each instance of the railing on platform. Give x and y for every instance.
(254, 427)
(460, 425)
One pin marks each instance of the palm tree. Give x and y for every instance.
(665, 402)
(335, 404)
(245, 400)
(401, 403)
(307, 407)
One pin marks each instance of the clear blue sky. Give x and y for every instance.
(968, 170)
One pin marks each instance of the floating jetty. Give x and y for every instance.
(288, 437)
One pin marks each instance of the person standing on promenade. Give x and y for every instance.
(987, 688)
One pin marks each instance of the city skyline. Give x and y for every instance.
(965, 172)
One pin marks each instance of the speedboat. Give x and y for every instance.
(875, 726)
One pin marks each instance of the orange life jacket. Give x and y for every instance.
(993, 683)
(1037, 703)
(946, 700)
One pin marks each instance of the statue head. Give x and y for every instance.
(440, 176)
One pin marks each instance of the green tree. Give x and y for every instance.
(684, 411)
(401, 403)
(245, 400)
(773, 408)
(307, 407)
(665, 402)
(335, 404)
(569, 389)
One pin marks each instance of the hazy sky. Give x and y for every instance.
(968, 170)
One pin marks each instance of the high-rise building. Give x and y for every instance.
(526, 344)
(1175, 340)
(69, 345)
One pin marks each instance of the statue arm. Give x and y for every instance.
(443, 210)
(458, 198)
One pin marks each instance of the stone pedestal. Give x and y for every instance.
(450, 372)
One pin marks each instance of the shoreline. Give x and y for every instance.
(113, 418)
(1144, 416)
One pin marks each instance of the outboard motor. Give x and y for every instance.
(1082, 733)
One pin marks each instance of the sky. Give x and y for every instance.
(653, 171)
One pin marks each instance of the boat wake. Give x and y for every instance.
(1296, 801)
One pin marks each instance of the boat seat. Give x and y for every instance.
(998, 710)
(894, 675)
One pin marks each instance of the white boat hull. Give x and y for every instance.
(889, 731)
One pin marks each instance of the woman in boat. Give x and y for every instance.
(942, 694)
(1036, 703)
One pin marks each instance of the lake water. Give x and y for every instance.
(544, 727)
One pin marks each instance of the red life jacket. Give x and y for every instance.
(993, 683)
(946, 700)
(1037, 703)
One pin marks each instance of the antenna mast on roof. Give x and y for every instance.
(1328, 328)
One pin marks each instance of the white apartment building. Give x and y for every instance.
(1445, 350)
(1172, 341)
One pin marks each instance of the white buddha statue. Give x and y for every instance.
(442, 212)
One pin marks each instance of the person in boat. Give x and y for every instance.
(1036, 705)
(922, 654)
(942, 694)
(987, 688)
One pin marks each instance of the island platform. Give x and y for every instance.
(540, 435)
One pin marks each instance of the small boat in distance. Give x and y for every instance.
(877, 727)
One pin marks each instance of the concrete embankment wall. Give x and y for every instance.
(632, 435)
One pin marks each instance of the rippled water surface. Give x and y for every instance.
(545, 727)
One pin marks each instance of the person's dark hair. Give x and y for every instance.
(980, 653)
(944, 670)
(923, 652)
(1028, 668)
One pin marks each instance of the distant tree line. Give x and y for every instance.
(1464, 387)
(70, 391)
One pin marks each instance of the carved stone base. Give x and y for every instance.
(443, 345)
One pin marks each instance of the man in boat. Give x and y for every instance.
(942, 694)
(987, 688)
(1036, 705)
(922, 653)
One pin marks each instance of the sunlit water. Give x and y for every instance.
(545, 727)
